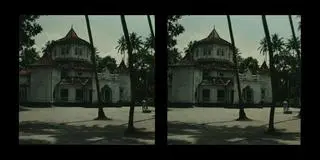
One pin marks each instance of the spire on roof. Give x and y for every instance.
(71, 33)
(264, 66)
(122, 65)
(214, 34)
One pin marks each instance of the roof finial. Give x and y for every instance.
(71, 26)
(214, 27)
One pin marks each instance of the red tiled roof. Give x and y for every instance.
(213, 38)
(71, 37)
(24, 73)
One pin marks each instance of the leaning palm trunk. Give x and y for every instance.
(101, 115)
(151, 29)
(299, 59)
(242, 114)
(132, 103)
(153, 45)
(271, 62)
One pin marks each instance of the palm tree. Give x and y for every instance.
(101, 115)
(149, 42)
(270, 49)
(276, 42)
(130, 48)
(298, 54)
(292, 46)
(135, 40)
(242, 114)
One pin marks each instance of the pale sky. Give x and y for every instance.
(247, 30)
(106, 30)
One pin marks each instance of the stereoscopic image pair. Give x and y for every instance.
(90, 79)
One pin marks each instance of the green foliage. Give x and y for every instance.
(47, 48)
(135, 40)
(286, 64)
(28, 29)
(189, 48)
(249, 63)
(30, 56)
(174, 30)
(106, 62)
(143, 63)
(277, 44)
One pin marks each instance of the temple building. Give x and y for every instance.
(65, 75)
(206, 75)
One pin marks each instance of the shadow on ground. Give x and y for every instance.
(225, 135)
(68, 134)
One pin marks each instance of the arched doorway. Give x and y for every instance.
(106, 94)
(247, 93)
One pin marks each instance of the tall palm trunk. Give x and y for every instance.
(299, 59)
(132, 103)
(101, 115)
(153, 45)
(271, 62)
(242, 114)
(151, 29)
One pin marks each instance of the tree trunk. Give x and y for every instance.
(271, 63)
(151, 29)
(132, 103)
(101, 115)
(299, 56)
(153, 42)
(242, 114)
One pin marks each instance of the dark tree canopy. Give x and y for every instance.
(30, 57)
(143, 63)
(106, 62)
(249, 63)
(174, 30)
(285, 63)
(188, 49)
(47, 48)
(28, 29)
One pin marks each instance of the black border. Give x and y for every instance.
(309, 61)
(161, 80)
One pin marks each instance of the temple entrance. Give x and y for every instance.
(247, 93)
(106, 94)
(205, 95)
